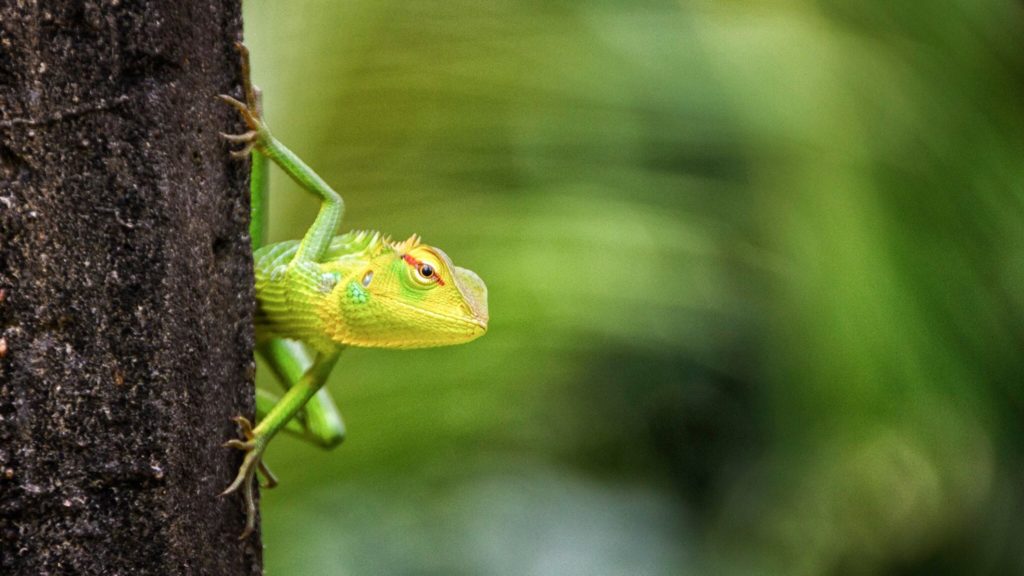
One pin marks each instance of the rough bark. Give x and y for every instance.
(126, 289)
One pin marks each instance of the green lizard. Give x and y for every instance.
(324, 293)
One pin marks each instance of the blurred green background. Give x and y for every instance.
(755, 277)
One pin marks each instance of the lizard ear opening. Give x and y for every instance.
(367, 278)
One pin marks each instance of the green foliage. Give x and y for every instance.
(754, 275)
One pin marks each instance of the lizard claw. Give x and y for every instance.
(245, 426)
(271, 479)
(246, 477)
(250, 110)
(244, 446)
(241, 154)
(245, 138)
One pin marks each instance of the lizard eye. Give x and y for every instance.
(367, 278)
(424, 273)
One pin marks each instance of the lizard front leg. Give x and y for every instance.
(318, 238)
(320, 423)
(256, 439)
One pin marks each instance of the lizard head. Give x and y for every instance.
(410, 295)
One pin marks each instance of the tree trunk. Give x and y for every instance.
(126, 304)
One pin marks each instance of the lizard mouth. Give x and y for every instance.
(476, 324)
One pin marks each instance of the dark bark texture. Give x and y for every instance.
(126, 304)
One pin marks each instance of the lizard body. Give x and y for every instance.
(321, 294)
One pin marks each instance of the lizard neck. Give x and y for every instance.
(295, 298)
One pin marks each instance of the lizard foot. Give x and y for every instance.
(253, 447)
(250, 110)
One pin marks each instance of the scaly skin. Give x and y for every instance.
(324, 293)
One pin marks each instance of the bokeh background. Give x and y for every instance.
(755, 274)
